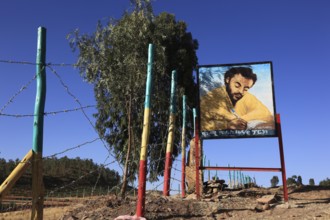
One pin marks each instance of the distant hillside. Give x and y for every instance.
(64, 174)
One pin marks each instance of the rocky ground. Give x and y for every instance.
(305, 202)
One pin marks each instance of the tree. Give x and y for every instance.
(274, 181)
(292, 180)
(299, 181)
(311, 182)
(114, 60)
(325, 182)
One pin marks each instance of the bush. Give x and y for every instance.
(274, 181)
(311, 182)
(325, 182)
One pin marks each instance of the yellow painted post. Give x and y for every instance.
(15, 175)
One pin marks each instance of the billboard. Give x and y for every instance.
(236, 100)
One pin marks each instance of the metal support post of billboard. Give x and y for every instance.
(262, 169)
(197, 159)
(280, 141)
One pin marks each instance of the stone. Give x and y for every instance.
(268, 199)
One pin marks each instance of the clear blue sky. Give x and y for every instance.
(294, 35)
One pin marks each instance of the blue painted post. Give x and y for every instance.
(183, 147)
(194, 115)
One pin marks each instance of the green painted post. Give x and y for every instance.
(242, 179)
(38, 125)
(183, 147)
(230, 183)
(209, 171)
(216, 172)
(234, 173)
(204, 163)
(194, 115)
(39, 108)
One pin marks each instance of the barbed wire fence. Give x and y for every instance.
(11, 203)
(54, 197)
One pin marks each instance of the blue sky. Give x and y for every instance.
(294, 35)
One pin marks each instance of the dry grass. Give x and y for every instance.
(49, 214)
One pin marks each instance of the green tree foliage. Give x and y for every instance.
(299, 181)
(325, 182)
(62, 171)
(294, 180)
(274, 181)
(114, 60)
(311, 182)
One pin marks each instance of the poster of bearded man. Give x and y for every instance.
(236, 100)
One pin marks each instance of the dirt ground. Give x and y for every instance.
(305, 202)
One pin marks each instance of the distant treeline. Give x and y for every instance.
(64, 171)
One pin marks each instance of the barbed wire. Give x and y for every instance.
(79, 103)
(62, 64)
(72, 148)
(25, 86)
(19, 62)
(81, 177)
(35, 63)
(48, 113)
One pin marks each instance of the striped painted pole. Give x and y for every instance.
(170, 138)
(183, 149)
(38, 126)
(145, 138)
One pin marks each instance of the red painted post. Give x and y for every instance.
(167, 173)
(183, 178)
(197, 159)
(279, 134)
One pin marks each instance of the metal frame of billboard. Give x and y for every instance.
(213, 80)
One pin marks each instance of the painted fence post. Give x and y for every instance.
(15, 175)
(183, 147)
(37, 182)
(170, 138)
(194, 119)
(145, 138)
(197, 156)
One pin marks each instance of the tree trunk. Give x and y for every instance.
(125, 174)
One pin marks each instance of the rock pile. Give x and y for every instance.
(212, 187)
